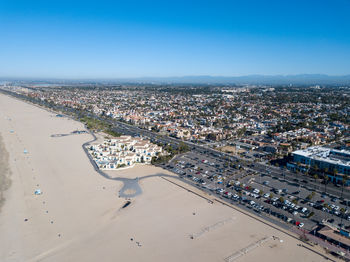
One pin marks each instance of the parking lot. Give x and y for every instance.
(282, 202)
(331, 207)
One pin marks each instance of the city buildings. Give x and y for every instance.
(270, 121)
(336, 162)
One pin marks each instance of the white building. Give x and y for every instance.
(325, 158)
(123, 151)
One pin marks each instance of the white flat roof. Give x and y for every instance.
(324, 154)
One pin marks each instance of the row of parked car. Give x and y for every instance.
(331, 209)
(288, 206)
(260, 208)
(295, 209)
(319, 205)
(275, 201)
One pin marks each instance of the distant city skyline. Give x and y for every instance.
(118, 39)
(298, 80)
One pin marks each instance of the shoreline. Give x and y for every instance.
(5, 172)
(80, 217)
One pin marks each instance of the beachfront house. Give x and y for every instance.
(123, 151)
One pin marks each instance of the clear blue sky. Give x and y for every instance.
(113, 39)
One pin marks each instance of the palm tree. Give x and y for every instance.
(240, 196)
(326, 179)
(260, 194)
(334, 172)
(325, 170)
(298, 166)
(342, 211)
(315, 177)
(344, 180)
(315, 168)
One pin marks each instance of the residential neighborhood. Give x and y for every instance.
(279, 152)
(272, 121)
(195, 131)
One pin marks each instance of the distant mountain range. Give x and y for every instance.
(301, 79)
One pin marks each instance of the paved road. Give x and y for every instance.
(201, 149)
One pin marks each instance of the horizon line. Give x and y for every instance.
(173, 76)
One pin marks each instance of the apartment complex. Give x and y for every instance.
(123, 151)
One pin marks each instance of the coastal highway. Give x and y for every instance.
(133, 184)
(201, 150)
(286, 174)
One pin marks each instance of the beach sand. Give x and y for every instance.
(79, 216)
(5, 173)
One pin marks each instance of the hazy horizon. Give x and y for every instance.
(175, 76)
(301, 79)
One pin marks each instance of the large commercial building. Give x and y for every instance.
(325, 158)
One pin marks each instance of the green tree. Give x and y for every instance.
(182, 148)
(325, 179)
(310, 196)
(315, 177)
(311, 214)
(342, 211)
(241, 131)
(326, 206)
(343, 181)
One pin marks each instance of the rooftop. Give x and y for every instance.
(331, 233)
(333, 156)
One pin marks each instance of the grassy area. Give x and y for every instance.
(98, 125)
(112, 133)
(93, 124)
(160, 159)
(228, 149)
(182, 148)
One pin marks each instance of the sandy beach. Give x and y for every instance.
(5, 173)
(80, 217)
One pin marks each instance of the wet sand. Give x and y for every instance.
(80, 217)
